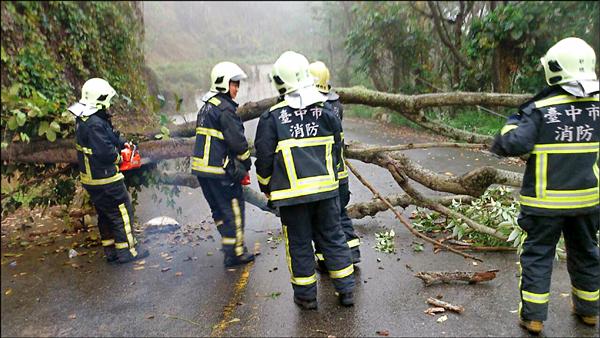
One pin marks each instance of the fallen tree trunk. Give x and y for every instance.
(360, 210)
(431, 277)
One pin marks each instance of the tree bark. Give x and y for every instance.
(431, 277)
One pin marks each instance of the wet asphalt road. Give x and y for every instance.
(196, 296)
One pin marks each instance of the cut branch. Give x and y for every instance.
(360, 210)
(431, 277)
(445, 305)
(402, 219)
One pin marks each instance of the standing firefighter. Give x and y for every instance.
(297, 151)
(222, 160)
(321, 74)
(98, 153)
(559, 127)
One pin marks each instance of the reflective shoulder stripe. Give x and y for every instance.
(561, 99)
(279, 105)
(586, 147)
(508, 128)
(538, 298)
(209, 132)
(244, 156)
(214, 101)
(263, 180)
(590, 296)
(84, 150)
(85, 179)
(345, 272)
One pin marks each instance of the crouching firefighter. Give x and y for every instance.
(221, 160)
(321, 74)
(559, 127)
(297, 151)
(99, 147)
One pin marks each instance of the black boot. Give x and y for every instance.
(231, 260)
(346, 299)
(125, 256)
(110, 253)
(305, 303)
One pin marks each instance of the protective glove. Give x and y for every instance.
(496, 147)
(238, 171)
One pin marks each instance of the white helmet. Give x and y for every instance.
(321, 74)
(290, 73)
(222, 73)
(570, 59)
(97, 93)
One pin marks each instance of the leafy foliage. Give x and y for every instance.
(49, 49)
(496, 208)
(385, 241)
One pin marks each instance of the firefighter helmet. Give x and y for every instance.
(222, 73)
(568, 60)
(321, 74)
(97, 93)
(290, 73)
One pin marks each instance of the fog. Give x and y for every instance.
(183, 40)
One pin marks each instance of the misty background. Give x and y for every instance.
(184, 40)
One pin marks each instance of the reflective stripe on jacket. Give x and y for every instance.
(98, 150)
(338, 110)
(297, 152)
(219, 138)
(562, 133)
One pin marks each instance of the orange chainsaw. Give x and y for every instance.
(131, 157)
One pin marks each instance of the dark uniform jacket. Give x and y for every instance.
(338, 110)
(219, 139)
(98, 149)
(562, 133)
(297, 153)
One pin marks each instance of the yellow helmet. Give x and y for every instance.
(568, 60)
(97, 93)
(321, 74)
(222, 73)
(290, 73)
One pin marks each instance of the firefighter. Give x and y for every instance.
(559, 128)
(98, 147)
(221, 160)
(297, 150)
(321, 74)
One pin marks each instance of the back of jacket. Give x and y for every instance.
(297, 152)
(98, 150)
(219, 138)
(562, 133)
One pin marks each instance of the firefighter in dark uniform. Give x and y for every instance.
(560, 129)
(99, 147)
(297, 151)
(222, 159)
(321, 74)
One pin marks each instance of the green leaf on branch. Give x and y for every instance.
(55, 126)
(51, 135)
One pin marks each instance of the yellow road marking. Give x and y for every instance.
(238, 291)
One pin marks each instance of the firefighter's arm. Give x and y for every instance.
(265, 144)
(518, 136)
(233, 133)
(338, 147)
(103, 147)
